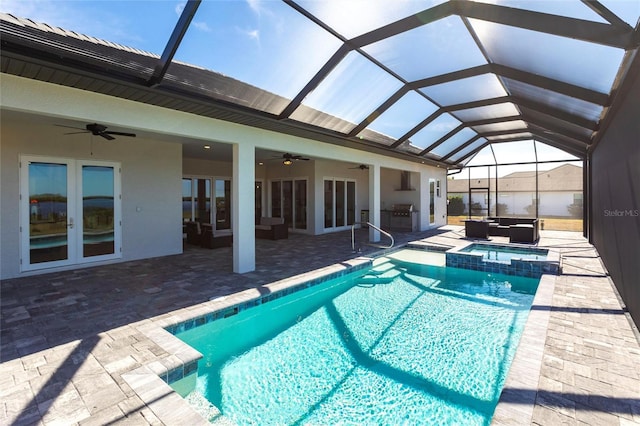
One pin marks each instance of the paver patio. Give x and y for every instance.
(68, 338)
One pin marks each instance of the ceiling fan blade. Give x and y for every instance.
(131, 135)
(75, 133)
(107, 136)
(69, 127)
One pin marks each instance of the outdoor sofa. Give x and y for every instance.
(518, 229)
(476, 228)
(272, 228)
(205, 236)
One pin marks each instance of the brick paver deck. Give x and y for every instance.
(73, 342)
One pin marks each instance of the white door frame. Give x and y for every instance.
(75, 223)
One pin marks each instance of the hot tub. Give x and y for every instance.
(510, 259)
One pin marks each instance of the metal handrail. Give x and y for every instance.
(353, 236)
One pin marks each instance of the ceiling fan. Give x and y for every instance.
(289, 158)
(99, 130)
(361, 167)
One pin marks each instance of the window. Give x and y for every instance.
(223, 204)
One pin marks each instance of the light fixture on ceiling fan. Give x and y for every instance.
(361, 167)
(287, 159)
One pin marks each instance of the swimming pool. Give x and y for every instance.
(397, 343)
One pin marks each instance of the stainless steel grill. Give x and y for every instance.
(403, 218)
(402, 210)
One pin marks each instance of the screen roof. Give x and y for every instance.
(431, 80)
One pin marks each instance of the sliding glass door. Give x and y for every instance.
(289, 201)
(197, 195)
(69, 210)
(339, 203)
(223, 204)
(196, 200)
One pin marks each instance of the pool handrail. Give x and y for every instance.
(353, 236)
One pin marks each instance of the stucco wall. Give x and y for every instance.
(151, 173)
(615, 196)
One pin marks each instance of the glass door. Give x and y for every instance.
(196, 200)
(351, 203)
(328, 204)
(99, 211)
(300, 195)
(432, 201)
(70, 212)
(47, 213)
(223, 204)
(339, 203)
(258, 202)
(289, 201)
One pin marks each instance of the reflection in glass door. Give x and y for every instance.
(223, 204)
(340, 202)
(196, 200)
(301, 204)
(328, 204)
(432, 202)
(98, 211)
(69, 210)
(50, 212)
(351, 203)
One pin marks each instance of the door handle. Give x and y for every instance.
(70, 224)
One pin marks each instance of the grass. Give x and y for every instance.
(551, 224)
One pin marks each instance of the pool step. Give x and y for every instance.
(376, 276)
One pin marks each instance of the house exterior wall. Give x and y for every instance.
(198, 167)
(152, 162)
(151, 176)
(615, 195)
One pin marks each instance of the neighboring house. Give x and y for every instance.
(558, 189)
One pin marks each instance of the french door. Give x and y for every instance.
(339, 203)
(289, 201)
(70, 212)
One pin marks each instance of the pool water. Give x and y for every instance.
(504, 254)
(400, 343)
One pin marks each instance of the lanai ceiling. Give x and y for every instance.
(430, 81)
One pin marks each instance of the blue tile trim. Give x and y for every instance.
(233, 310)
(180, 372)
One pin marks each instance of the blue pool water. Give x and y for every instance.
(400, 343)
